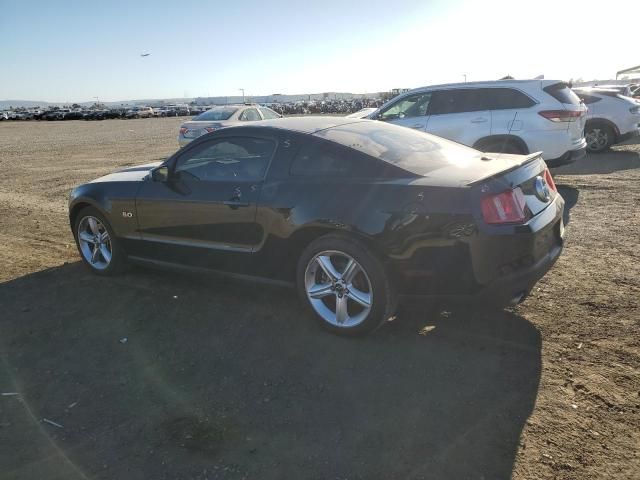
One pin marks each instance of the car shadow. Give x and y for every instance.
(570, 195)
(615, 160)
(158, 375)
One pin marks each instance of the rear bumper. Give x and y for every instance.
(497, 269)
(569, 157)
(512, 289)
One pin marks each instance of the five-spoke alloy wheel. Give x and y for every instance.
(345, 285)
(338, 288)
(94, 242)
(98, 246)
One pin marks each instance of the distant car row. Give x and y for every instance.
(102, 114)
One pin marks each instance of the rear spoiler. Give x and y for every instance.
(525, 159)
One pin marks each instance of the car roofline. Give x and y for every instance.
(485, 83)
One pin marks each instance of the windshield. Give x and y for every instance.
(216, 114)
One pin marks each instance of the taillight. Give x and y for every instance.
(635, 110)
(561, 115)
(183, 130)
(549, 179)
(210, 129)
(505, 207)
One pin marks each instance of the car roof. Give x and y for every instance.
(597, 89)
(489, 83)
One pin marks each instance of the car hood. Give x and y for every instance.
(132, 174)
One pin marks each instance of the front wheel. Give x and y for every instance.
(345, 285)
(98, 246)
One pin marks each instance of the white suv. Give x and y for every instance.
(612, 117)
(510, 116)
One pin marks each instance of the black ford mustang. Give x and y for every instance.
(356, 213)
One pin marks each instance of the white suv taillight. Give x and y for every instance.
(561, 115)
(635, 110)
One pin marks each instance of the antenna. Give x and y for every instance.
(510, 129)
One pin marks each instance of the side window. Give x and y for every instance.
(407, 107)
(250, 115)
(588, 99)
(268, 114)
(229, 159)
(505, 99)
(457, 101)
(323, 159)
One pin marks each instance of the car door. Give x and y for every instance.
(408, 111)
(509, 114)
(459, 115)
(204, 214)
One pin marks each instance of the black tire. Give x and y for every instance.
(383, 297)
(501, 146)
(599, 137)
(117, 263)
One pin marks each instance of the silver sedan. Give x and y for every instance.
(222, 116)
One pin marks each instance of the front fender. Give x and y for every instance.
(115, 201)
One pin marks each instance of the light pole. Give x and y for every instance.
(465, 77)
(242, 90)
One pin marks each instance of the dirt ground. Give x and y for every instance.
(219, 379)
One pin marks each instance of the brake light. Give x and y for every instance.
(549, 179)
(505, 207)
(183, 130)
(561, 115)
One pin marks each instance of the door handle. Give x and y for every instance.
(479, 120)
(417, 125)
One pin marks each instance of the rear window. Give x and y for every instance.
(562, 93)
(505, 99)
(413, 151)
(216, 114)
(319, 158)
(268, 114)
(588, 99)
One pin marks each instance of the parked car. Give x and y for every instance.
(356, 214)
(160, 111)
(222, 116)
(56, 114)
(139, 112)
(612, 118)
(510, 116)
(4, 116)
(73, 115)
(627, 90)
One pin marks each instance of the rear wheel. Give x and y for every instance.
(345, 285)
(599, 137)
(98, 246)
(501, 146)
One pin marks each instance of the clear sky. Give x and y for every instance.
(64, 51)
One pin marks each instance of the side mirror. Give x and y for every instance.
(160, 174)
